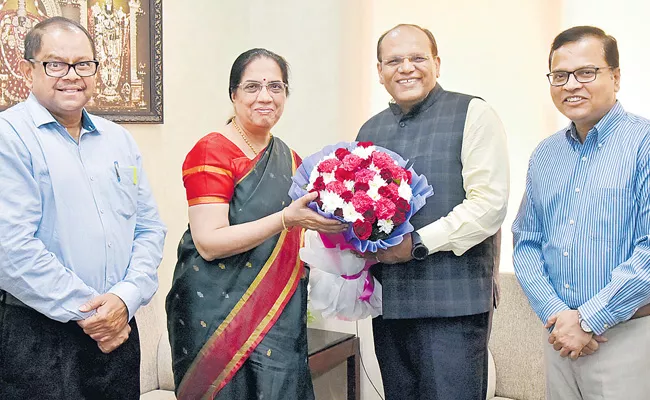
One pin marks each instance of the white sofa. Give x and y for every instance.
(516, 364)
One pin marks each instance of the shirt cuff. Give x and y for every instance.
(596, 315)
(129, 294)
(435, 239)
(552, 307)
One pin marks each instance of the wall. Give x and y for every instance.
(497, 50)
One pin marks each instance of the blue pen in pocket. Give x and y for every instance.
(117, 170)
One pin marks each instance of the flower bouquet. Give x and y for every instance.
(375, 192)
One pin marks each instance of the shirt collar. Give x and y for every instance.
(603, 128)
(428, 101)
(42, 116)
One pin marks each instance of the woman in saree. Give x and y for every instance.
(236, 313)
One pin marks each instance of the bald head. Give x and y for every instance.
(34, 39)
(432, 40)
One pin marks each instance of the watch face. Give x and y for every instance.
(420, 252)
(584, 326)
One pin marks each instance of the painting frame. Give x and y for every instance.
(133, 91)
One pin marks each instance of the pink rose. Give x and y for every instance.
(362, 202)
(384, 208)
(336, 187)
(382, 160)
(364, 176)
(328, 166)
(351, 162)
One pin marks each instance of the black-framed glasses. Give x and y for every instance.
(59, 69)
(582, 75)
(254, 87)
(397, 61)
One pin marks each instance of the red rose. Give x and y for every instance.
(364, 176)
(319, 184)
(398, 218)
(390, 191)
(361, 187)
(338, 212)
(328, 166)
(347, 196)
(386, 174)
(370, 216)
(364, 144)
(336, 187)
(343, 175)
(362, 202)
(351, 162)
(365, 162)
(341, 153)
(402, 205)
(382, 160)
(362, 229)
(384, 208)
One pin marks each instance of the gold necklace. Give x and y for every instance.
(244, 136)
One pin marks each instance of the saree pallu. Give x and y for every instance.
(237, 326)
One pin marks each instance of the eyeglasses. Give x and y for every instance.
(397, 61)
(59, 69)
(582, 75)
(253, 87)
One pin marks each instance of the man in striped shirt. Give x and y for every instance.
(581, 246)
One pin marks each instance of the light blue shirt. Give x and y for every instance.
(581, 234)
(76, 220)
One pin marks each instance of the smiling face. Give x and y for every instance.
(584, 103)
(411, 80)
(63, 97)
(259, 112)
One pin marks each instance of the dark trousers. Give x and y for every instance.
(433, 358)
(44, 359)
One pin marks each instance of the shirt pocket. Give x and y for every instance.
(125, 199)
(610, 214)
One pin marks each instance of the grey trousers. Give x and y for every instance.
(619, 370)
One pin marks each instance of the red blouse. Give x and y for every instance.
(213, 168)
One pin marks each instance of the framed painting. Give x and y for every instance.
(128, 38)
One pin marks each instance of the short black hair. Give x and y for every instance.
(577, 33)
(33, 39)
(434, 45)
(245, 58)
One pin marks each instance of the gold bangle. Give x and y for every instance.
(284, 225)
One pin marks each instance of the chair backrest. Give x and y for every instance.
(516, 343)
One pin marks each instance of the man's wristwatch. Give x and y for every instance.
(583, 324)
(419, 251)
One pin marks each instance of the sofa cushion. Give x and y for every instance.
(516, 343)
(158, 395)
(165, 374)
(150, 330)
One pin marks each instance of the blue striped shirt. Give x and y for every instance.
(581, 234)
(76, 219)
